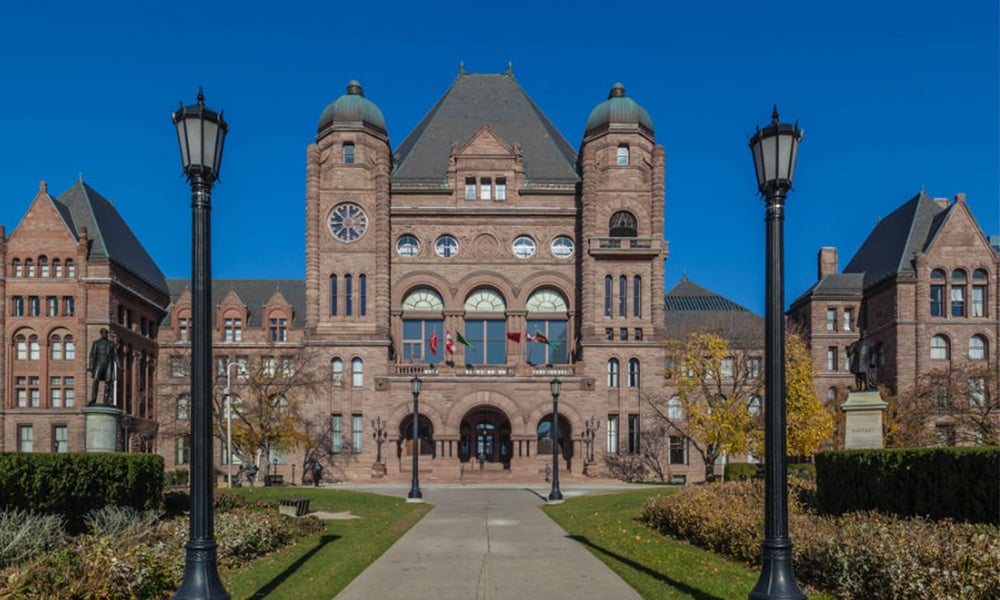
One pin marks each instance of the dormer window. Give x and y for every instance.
(348, 153)
(470, 188)
(622, 155)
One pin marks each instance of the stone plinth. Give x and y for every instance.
(863, 415)
(102, 428)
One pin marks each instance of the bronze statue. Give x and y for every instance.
(103, 366)
(864, 364)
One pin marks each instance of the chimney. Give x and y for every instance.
(827, 261)
(942, 202)
(960, 198)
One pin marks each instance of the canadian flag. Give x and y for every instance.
(449, 343)
(433, 343)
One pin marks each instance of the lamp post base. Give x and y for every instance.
(201, 574)
(777, 579)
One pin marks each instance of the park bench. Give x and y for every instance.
(294, 506)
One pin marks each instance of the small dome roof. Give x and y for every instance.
(618, 110)
(352, 109)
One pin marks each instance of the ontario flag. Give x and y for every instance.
(541, 339)
(433, 343)
(449, 343)
(515, 337)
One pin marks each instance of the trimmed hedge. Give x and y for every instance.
(957, 483)
(744, 471)
(74, 484)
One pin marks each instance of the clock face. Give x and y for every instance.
(347, 222)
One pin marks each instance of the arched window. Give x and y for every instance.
(637, 296)
(608, 287)
(547, 325)
(43, 266)
(337, 371)
(69, 347)
(958, 293)
(753, 406)
(977, 347)
(70, 268)
(55, 347)
(18, 269)
(333, 295)
(939, 347)
(357, 372)
(633, 372)
(622, 224)
(183, 406)
(407, 245)
(675, 409)
(978, 303)
(30, 267)
(831, 394)
(937, 293)
(21, 346)
(348, 295)
(622, 295)
(423, 334)
(57, 268)
(348, 153)
(613, 373)
(622, 156)
(34, 349)
(486, 333)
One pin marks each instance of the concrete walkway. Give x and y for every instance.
(486, 542)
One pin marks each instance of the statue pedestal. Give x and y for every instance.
(102, 428)
(378, 470)
(863, 415)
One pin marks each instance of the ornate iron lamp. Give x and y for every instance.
(555, 494)
(415, 495)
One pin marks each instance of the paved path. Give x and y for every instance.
(486, 542)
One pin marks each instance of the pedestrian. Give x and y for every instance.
(317, 472)
(548, 473)
(481, 460)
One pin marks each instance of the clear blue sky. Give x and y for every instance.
(892, 96)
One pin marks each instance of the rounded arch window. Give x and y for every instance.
(446, 246)
(613, 367)
(753, 406)
(977, 347)
(937, 275)
(407, 245)
(485, 300)
(524, 247)
(337, 370)
(43, 266)
(546, 300)
(939, 347)
(18, 269)
(980, 275)
(623, 224)
(958, 275)
(423, 300)
(675, 409)
(562, 247)
(357, 372)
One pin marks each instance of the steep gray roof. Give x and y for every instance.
(472, 101)
(253, 292)
(693, 309)
(108, 235)
(834, 285)
(896, 239)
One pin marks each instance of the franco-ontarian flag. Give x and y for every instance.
(462, 340)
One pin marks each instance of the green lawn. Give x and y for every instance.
(321, 565)
(655, 565)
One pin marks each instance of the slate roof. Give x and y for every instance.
(474, 100)
(691, 308)
(108, 235)
(894, 242)
(834, 285)
(253, 292)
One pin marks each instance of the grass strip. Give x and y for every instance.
(321, 565)
(656, 566)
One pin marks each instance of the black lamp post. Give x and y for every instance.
(201, 133)
(415, 495)
(555, 494)
(775, 149)
(379, 434)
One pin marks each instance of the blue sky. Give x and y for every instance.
(893, 96)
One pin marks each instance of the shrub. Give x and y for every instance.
(177, 477)
(24, 535)
(74, 484)
(857, 555)
(739, 471)
(121, 524)
(959, 483)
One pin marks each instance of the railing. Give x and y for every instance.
(626, 244)
(411, 370)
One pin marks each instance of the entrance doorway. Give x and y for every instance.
(485, 432)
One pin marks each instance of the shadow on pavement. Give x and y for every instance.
(280, 578)
(682, 587)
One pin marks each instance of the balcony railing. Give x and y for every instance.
(626, 245)
(442, 370)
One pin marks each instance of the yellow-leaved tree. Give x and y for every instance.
(808, 424)
(717, 405)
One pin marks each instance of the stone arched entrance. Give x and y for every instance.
(485, 432)
(565, 441)
(425, 433)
